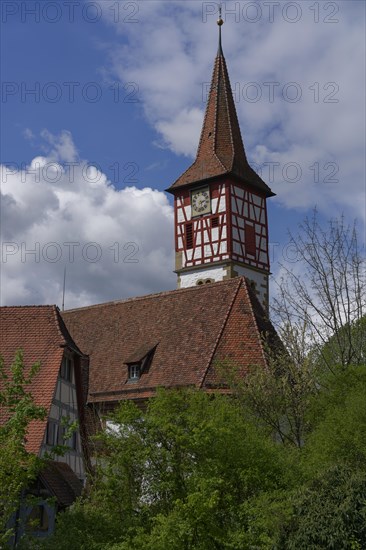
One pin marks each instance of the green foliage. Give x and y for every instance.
(18, 468)
(338, 416)
(182, 475)
(84, 526)
(330, 513)
(349, 342)
(277, 397)
(196, 471)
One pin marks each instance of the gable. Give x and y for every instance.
(40, 333)
(241, 344)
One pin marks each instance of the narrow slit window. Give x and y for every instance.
(189, 235)
(51, 433)
(66, 369)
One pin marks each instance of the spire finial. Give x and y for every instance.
(220, 22)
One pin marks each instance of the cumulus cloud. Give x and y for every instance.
(62, 212)
(310, 151)
(306, 102)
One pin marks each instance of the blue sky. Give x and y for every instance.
(121, 86)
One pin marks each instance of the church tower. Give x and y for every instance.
(221, 228)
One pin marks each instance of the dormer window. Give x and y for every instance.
(134, 372)
(138, 363)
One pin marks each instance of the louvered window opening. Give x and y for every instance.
(189, 235)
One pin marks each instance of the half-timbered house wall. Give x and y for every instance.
(64, 412)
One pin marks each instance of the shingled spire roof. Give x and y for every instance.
(220, 150)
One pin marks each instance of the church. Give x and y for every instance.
(219, 311)
(94, 357)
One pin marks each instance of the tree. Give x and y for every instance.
(329, 507)
(326, 298)
(181, 475)
(276, 397)
(330, 513)
(18, 468)
(319, 315)
(338, 420)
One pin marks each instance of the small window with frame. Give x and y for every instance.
(38, 519)
(51, 433)
(72, 441)
(134, 372)
(66, 369)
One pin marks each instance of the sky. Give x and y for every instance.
(102, 105)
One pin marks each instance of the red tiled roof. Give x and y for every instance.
(40, 332)
(221, 150)
(189, 327)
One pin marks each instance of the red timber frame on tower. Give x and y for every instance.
(221, 228)
(236, 229)
(202, 239)
(249, 227)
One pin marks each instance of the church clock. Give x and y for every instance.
(200, 201)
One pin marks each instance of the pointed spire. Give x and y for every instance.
(220, 22)
(220, 150)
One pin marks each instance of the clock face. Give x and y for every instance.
(200, 201)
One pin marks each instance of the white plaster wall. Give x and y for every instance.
(233, 206)
(222, 204)
(191, 278)
(180, 215)
(239, 192)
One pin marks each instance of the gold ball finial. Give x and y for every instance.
(220, 21)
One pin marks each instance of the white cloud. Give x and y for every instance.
(58, 212)
(188, 122)
(169, 55)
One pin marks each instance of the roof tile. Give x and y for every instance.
(40, 332)
(188, 325)
(220, 150)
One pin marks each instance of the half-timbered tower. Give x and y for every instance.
(221, 228)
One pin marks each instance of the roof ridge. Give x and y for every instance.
(226, 84)
(214, 142)
(57, 319)
(257, 332)
(220, 73)
(222, 329)
(152, 296)
(29, 306)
